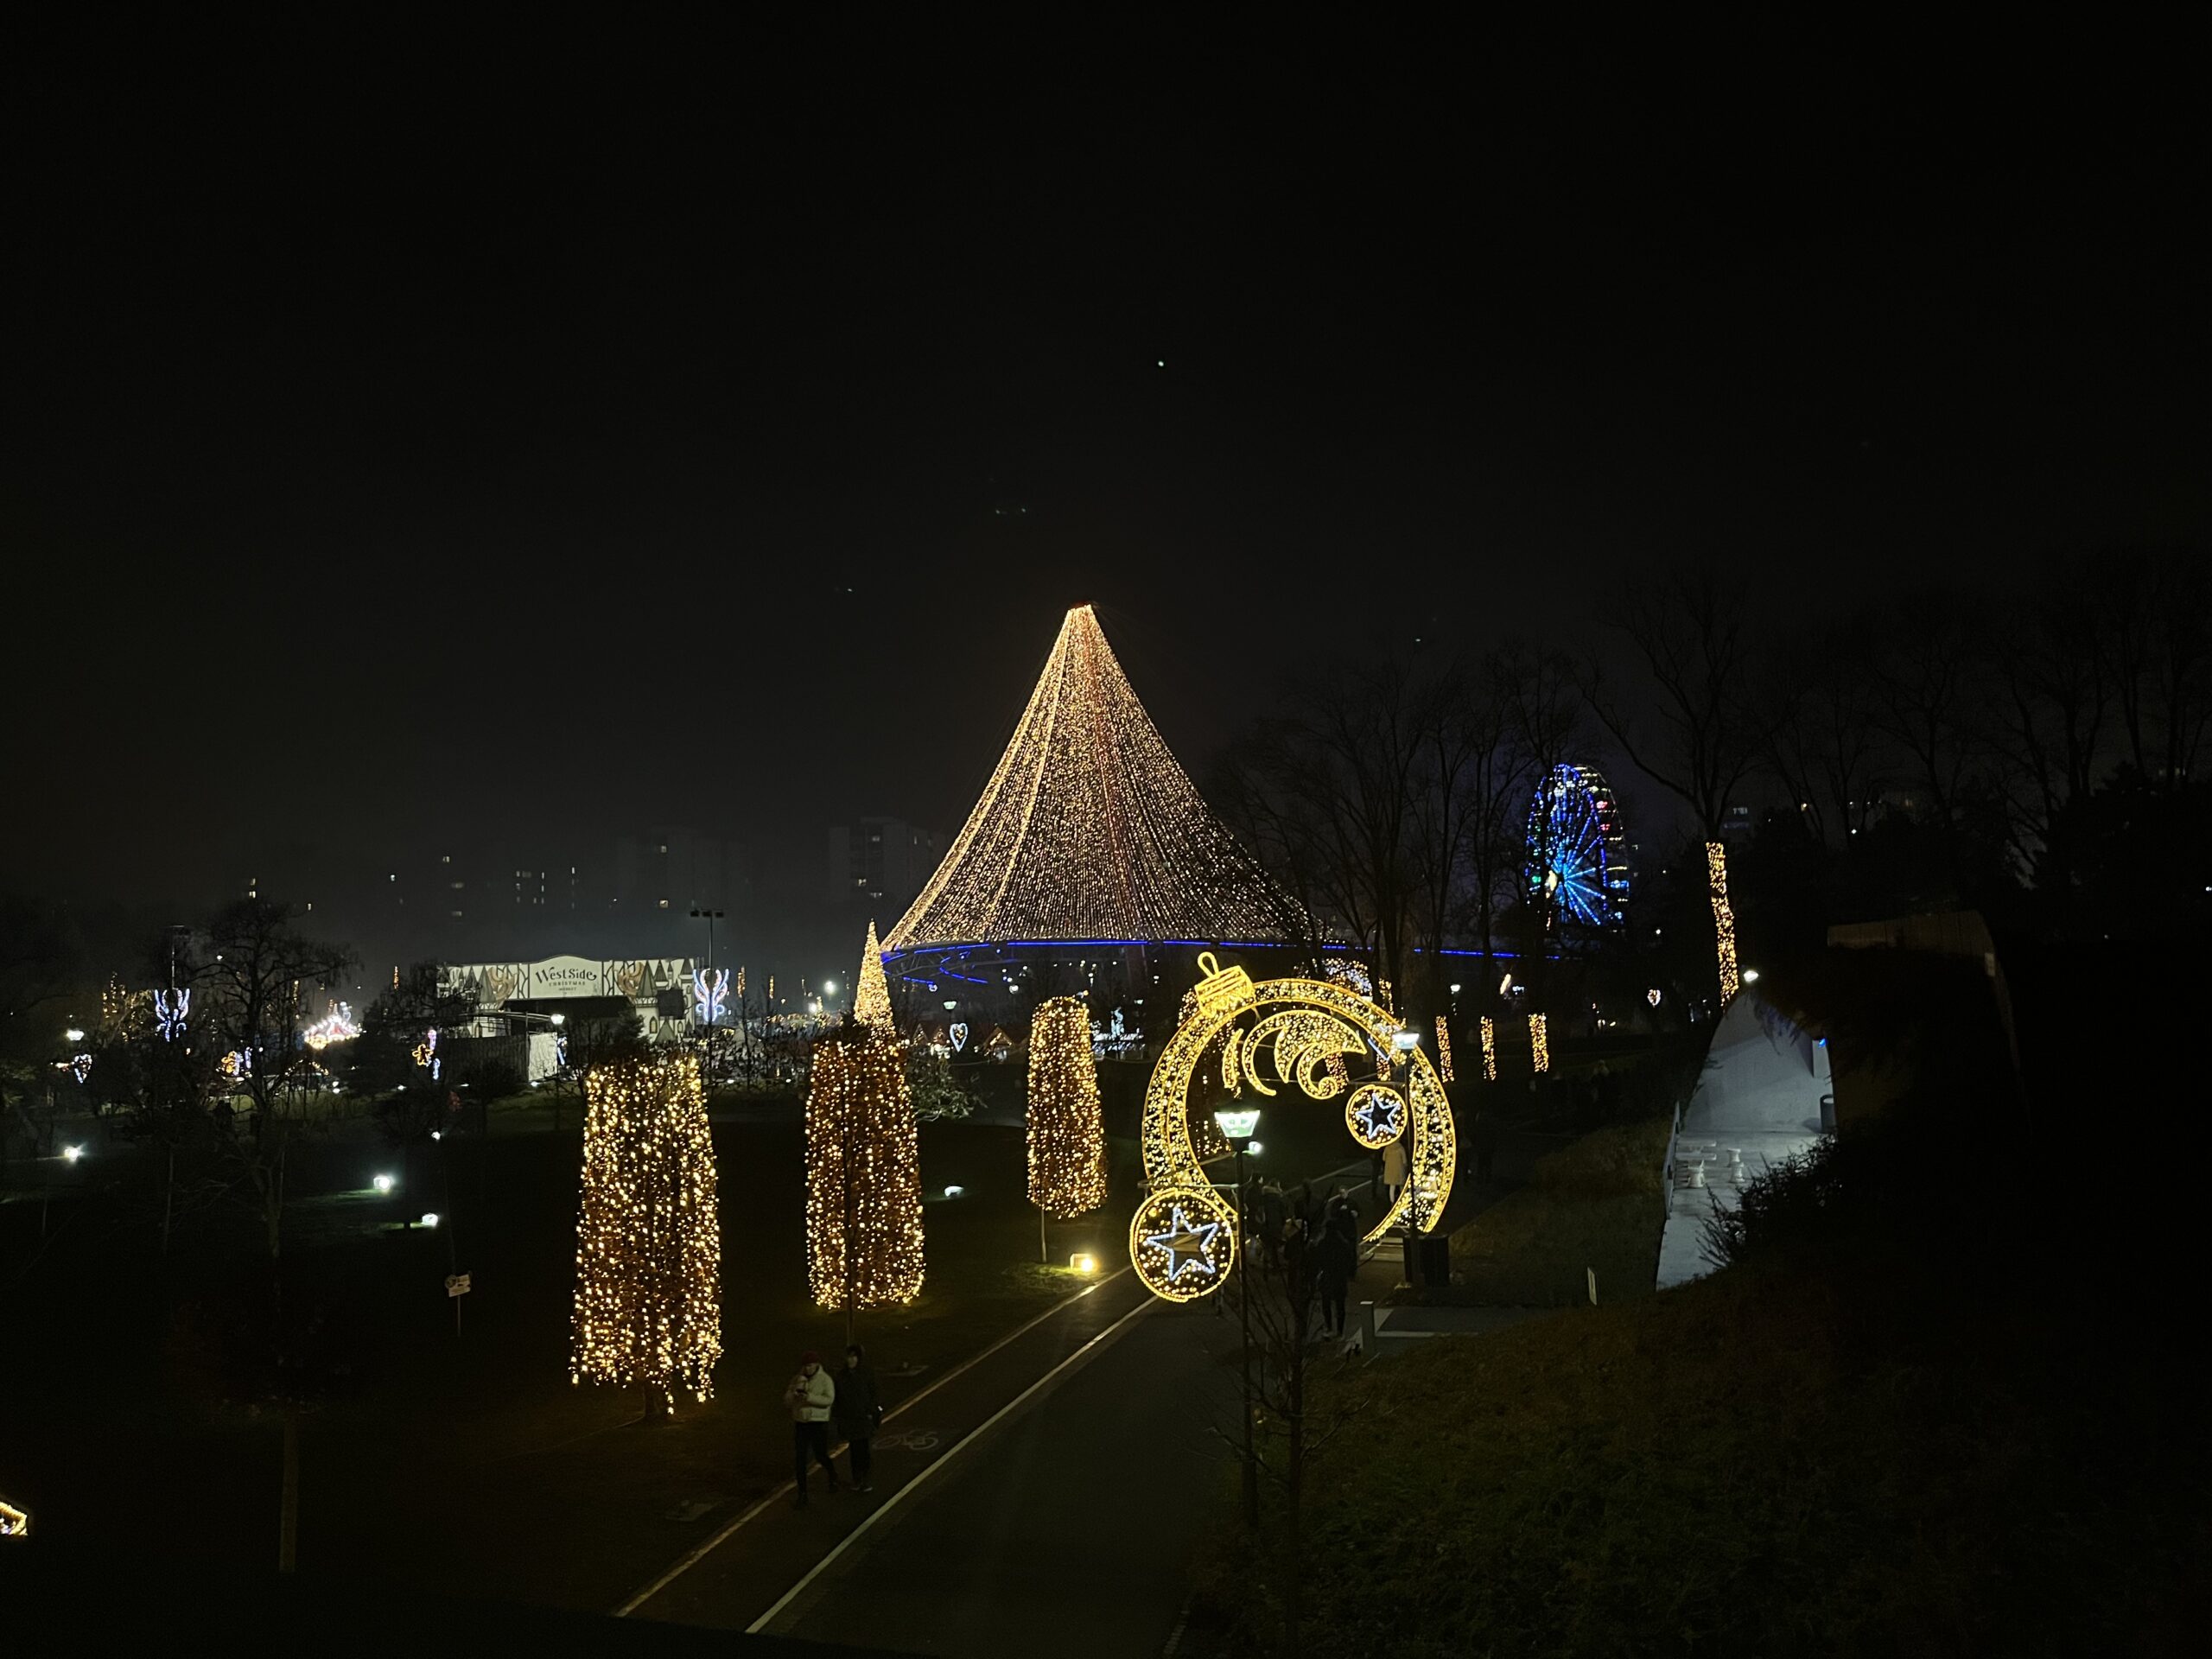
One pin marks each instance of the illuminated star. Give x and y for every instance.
(1186, 1246)
(1378, 1116)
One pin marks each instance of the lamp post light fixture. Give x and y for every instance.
(1236, 1124)
(1750, 975)
(1403, 1043)
(75, 1035)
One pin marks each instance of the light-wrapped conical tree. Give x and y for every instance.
(648, 1306)
(863, 1176)
(871, 992)
(1067, 1139)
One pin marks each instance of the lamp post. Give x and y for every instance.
(1402, 1044)
(1237, 1125)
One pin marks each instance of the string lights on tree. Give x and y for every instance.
(863, 1176)
(1724, 920)
(1067, 1138)
(1540, 1047)
(648, 1306)
(1489, 1049)
(1090, 829)
(871, 991)
(1444, 1048)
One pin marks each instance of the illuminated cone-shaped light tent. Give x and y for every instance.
(863, 1176)
(648, 1306)
(1067, 1138)
(871, 991)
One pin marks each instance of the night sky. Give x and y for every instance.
(420, 436)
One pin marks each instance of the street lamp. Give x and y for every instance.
(1402, 1044)
(73, 1035)
(1236, 1124)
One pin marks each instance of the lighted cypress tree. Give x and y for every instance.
(1067, 1140)
(871, 993)
(863, 1178)
(648, 1306)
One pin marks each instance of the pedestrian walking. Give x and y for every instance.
(811, 1395)
(1394, 1167)
(856, 1414)
(1336, 1258)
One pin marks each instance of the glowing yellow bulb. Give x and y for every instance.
(1724, 918)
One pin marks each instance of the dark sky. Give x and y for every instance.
(553, 436)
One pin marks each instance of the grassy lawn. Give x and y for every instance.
(1765, 1462)
(1594, 1204)
(424, 1450)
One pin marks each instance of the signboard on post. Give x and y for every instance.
(456, 1284)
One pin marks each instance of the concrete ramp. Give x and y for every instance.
(1757, 1101)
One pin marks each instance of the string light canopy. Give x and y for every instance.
(871, 992)
(1089, 831)
(1724, 920)
(863, 1176)
(648, 1304)
(1067, 1138)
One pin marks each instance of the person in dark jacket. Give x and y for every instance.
(856, 1414)
(1336, 1258)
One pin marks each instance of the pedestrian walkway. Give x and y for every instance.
(1759, 1101)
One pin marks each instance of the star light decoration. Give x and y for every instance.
(1724, 920)
(863, 1176)
(171, 1010)
(1376, 1114)
(709, 996)
(1489, 1049)
(648, 1306)
(425, 1054)
(1540, 1047)
(1090, 829)
(1067, 1139)
(871, 991)
(1183, 1242)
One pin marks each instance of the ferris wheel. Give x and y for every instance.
(1578, 852)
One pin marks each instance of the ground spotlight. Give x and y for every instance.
(430, 1218)
(73, 1153)
(384, 1183)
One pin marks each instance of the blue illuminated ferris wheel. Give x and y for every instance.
(1578, 853)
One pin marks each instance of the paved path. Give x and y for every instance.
(1042, 1489)
(1758, 1102)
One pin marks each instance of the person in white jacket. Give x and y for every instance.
(811, 1395)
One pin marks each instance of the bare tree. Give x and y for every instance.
(1686, 717)
(1822, 741)
(1929, 701)
(2155, 625)
(250, 974)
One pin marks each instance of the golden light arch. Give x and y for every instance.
(1182, 1239)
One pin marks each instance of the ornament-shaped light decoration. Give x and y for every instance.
(1067, 1138)
(863, 1176)
(648, 1304)
(171, 1010)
